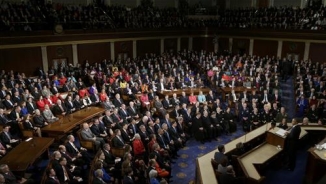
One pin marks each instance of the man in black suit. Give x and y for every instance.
(59, 109)
(70, 104)
(52, 178)
(291, 143)
(184, 98)
(117, 140)
(109, 157)
(98, 179)
(30, 105)
(63, 172)
(6, 137)
(10, 177)
(3, 118)
(123, 112)
(8, 103)
(117, 101)
(74, 151)
(132, 110)
(128, 177)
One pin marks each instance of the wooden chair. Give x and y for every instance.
(26, 133)
(85, 143)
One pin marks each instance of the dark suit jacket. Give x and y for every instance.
(30, 109)
(39, 121)
(166, 103)
(60, 173)
(97, 130)
(69, 106)
(71, 150)
(28, 125)
(10, 178)
(125, 136)
(50, 181)
(8, 105)
(184, 99)
(78, 104)
(4, 138)
(117, 103)
(227, 179)
(131, 112)
(4, 120)
(57, 111)
(127, 180)
(109, 158)
(117, 143)
(98, 181)
(123, 114)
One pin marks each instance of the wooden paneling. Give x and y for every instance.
(317, 52)
(148, 46)
(240, 46)
(25, 60)
(203, 43)
(94, 53)
(262, 3)
(296, 48)
(59, 52)
(265, 47)
(184, 43)
(123, 48)
(223, 44)
(170, 44)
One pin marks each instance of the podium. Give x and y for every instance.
(275, 139)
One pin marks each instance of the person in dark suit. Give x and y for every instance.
(8, 103)
(63, 172)
(117, 140)
(39, 120)
(98, 179)
(52, 178)
(6, 137)
(228, 177)
(29, 126)
(11, 178)
(219, 156)
(127, 179)
(184, 99)
(31, 106)
(292, 139)
(59, 109)
(75, 151)
(70, 105)
(117, 101)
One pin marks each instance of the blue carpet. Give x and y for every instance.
(183, 171)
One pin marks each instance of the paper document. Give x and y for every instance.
(323, 146)
(29, 139)
(281, 132)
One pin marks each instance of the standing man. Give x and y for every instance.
(292, 139)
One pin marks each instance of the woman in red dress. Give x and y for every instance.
(139, 149)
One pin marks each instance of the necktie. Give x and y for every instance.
(162, 141)
(7, 134)
(121, 139)
(167, 134)
(133, 127)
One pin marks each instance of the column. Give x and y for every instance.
(306, 51)
(254, 3)
(179, 44)
(138, 3)
(107, 2)
(190, 43)
(112, 51)
(227, 4)
(271, 3)
(74, 54)
(134, 48)
(279, 49)
(176, 3)
(162, 46)
(251, 47)
(45, 61)
(230, 44)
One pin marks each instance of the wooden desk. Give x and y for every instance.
(188, 91)
(316, 163)
(240, 89)
(69, 122)
(207, 174)
(23, 155)
(260, 155)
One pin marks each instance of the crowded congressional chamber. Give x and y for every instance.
(162, 91)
